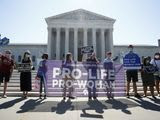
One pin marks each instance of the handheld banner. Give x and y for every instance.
(131, 61)
(87, 49)
(24, 67)
(78, 76)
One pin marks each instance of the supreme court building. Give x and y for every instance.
(70, 31)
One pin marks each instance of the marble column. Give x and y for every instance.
(85, 39)
(94, 40)
(75, 44)
(85, 43)
(102, 44)
(66, 40)
(110, 36)
(49, 42)
(58, 44)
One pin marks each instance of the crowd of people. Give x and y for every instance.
(150, 74)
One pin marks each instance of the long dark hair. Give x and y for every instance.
(27, 53)
(155, 55)
(68, 57)
(45, 56)
(145, 60)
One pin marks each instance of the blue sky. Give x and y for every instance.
(137, 21)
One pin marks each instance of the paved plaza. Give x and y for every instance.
(54, 108)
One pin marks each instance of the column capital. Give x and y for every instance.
(75, 29)
(49, 28)
(66, 28)
(103, 29)
(58, 28)
(85, 29)
(94, 29)
(111, 29)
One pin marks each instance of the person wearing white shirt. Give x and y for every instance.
(156, 62)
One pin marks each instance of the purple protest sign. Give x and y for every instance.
(78, 74)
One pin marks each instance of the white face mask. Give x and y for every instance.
(27, 55)
(130, 49)
(156, 56)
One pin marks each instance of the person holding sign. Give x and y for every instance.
(1, 56)
(25, 76)
(7, 65)
(156, 63)
(147, 74)
(132, 64)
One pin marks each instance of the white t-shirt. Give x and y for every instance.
(155, 63)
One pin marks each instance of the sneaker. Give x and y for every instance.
(144, 95)
(4, 96)
(95, 98)
(71, 97)
(89, 98)
(137, 95)
(154, 97)
(112, 97)
(40, 97)
(45, 96)
(64, 98)
(25, 96)
(127, 95)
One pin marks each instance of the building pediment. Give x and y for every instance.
(79, 15)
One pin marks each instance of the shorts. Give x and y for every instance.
(157, 78)
(148, 79)
(5, 77)
(132, 75)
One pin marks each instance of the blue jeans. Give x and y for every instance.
(92, 89)
(42, 84)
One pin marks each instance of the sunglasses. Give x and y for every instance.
(8, 53)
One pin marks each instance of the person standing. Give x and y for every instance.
(109, 67)
(25, 76)
(156, 63)
(132, 73)
(1, 56)
(41, 75)
(7, 67)
(92, 61)
(147, 74)
(68, 80)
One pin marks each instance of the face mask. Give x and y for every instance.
(147, 61)
(27, 55)
(156, 56)
(131, 49)
(8, 55)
